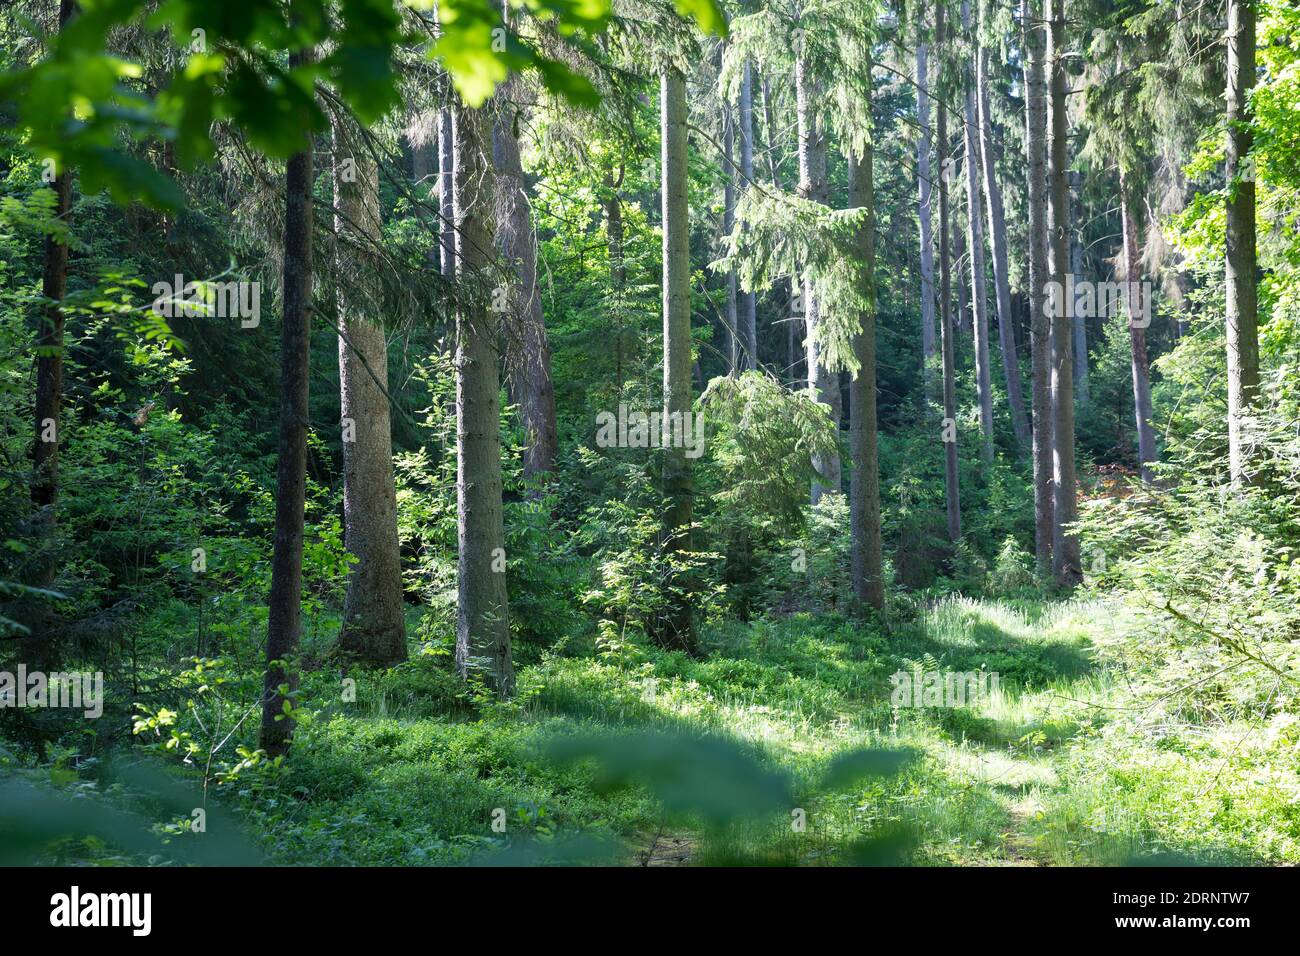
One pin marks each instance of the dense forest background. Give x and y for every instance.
(558, 432)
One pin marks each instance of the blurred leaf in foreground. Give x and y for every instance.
(693, 777)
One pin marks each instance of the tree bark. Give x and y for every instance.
(1138, 315)
(1039, 316)
(1242, 307)
(483, 622)
(975, 245)
(1079, 323)
(446, 193)
(952, 487)
(812, 185)
(924, 217)
(998, 243)
(613, 205)
(374, 627)
(867, 565)
(49, 374)
(769, 132)
(679, 629)
(1065, 543)
(962, 321)
(528, 350)
(284, 604)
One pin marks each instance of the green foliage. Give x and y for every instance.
(762, 438)
(1158, 718)
(777, 236)
(638, 578)
(79, 101)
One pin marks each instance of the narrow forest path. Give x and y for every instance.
(806, 688)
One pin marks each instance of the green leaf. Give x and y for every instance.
(706, 13)
(851, 768)
(704, 777)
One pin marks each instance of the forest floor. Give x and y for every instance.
(1080, 756)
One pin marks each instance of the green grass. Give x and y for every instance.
(1082, 756)
(1059, 766)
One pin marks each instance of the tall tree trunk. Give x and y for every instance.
(613, 204)
(732, 311)
(679, 629)
(923, 183)
(812, 185)
(748, 303)
(1065, 544)
(998, 243)
(962, 320)
(952, 487)
(446, 193)
(49, 373)
(1079, 322)
(374, 627)
(483, 621)
(528, 350)
(1139, 306)
(867, 565)
(1040, 326)
(284, 604)
(975, 245)
(1242, 306)
(769, 132)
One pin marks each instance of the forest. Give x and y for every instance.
(649, 433)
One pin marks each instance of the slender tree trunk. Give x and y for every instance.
(528, 350)
(1065, 544)
(483, 622)
(679, 629)
(617, 268)
(975, 244)
(769, 132)
(998, 243)
(864, 488)
(794, 358)
(446, 192)
(49, 374)
(284, 603)
(962, 321)
(1079, 322)
(1039, 276)
(1241, 294)
(374, 627)
(923, 183)
(748, 303)
(1138, 316)
(736, 346)
(812, 185)
(952, 487)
